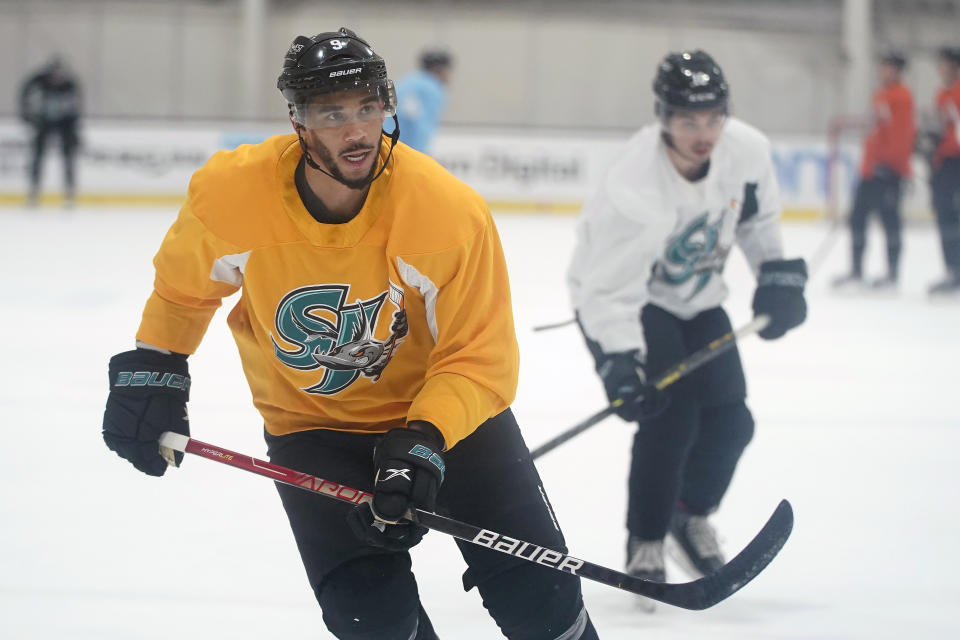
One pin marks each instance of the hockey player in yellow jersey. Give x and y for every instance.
(376, 333)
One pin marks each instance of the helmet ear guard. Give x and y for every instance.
(388, 93)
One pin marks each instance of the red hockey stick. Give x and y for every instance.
(699, 594)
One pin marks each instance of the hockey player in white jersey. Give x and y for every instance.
(646, 284)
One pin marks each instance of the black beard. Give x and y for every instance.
(326, 157)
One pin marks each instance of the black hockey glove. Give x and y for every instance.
(625, 381)
(409, 472)
(148, 395)
(779, 295)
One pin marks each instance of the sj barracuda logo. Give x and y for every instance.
(695, 253)
(328, 334)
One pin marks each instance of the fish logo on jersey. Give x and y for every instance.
(694, 253)
(329, 334)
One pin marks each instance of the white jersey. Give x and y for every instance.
(647, 234)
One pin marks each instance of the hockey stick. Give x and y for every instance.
(836, 128)
(825, 246)
(554, 325)
(696, 595)
(692, 362)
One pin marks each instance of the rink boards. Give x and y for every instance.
(149, 163)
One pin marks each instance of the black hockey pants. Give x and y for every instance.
(945, 185)
(67, 133)
(688, 454)
(880, 194)
(367, 593)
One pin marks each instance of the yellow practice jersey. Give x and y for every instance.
(402, 313)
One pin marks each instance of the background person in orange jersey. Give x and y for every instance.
(885, 165)
(376, 333)
(945, 169)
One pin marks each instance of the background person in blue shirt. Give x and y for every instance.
(421, 98)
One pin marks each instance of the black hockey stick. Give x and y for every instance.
(554, 325)
(699, 594)
(692, 362)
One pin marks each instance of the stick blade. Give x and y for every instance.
(733, 576)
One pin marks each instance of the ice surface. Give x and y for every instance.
(858, 424)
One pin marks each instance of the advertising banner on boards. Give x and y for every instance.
(148, 163)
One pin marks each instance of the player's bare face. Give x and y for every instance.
(695, 133)
(889, 74)
(947, 71)
(443, 75)
(344, 130)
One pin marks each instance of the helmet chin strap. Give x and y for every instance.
(394, 138)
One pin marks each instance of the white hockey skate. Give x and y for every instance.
(645, 560)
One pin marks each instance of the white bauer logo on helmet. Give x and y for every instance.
(345, 72)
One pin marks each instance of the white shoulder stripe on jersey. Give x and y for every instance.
(426, 287)
(230, 268)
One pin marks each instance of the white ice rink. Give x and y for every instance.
(858, 425)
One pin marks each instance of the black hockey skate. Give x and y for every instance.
(645, 561)
(692, 542)
(887, 284)
(949, 286)
(848, 283)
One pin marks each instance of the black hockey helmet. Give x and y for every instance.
(894, 58)
(333, 61)
(950, 54)
(435, 58)
(690, 81)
